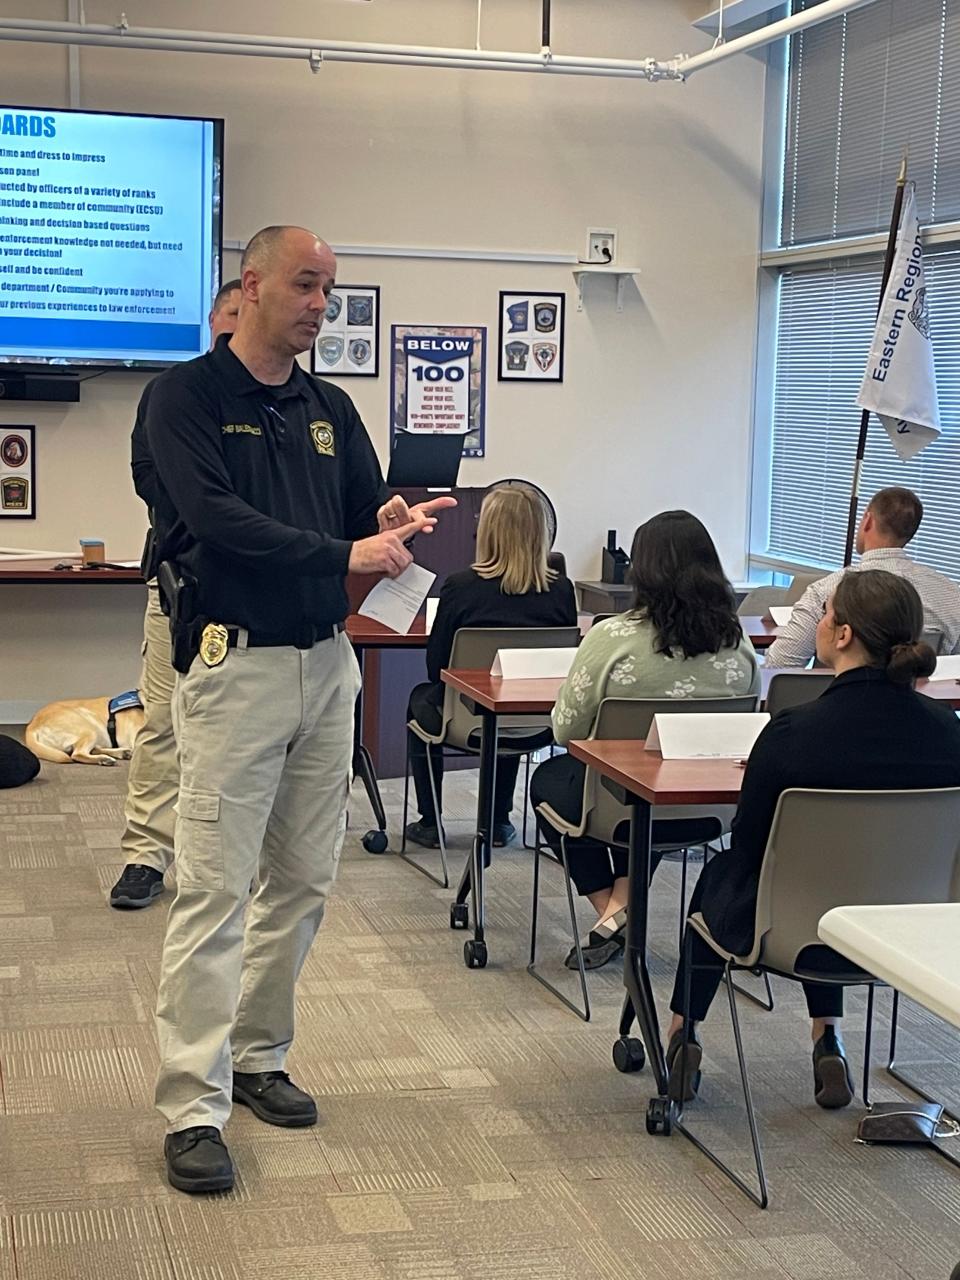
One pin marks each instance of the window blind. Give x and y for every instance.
(861, 88)
(826, 321)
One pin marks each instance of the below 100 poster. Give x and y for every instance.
(437, 381)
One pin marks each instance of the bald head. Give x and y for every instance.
(267, 247)
(286, 274)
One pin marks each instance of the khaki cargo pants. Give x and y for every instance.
(265, 742)
(154, 775)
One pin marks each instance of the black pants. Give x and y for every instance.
(593, 866)
(426, 707)
(824, 1000)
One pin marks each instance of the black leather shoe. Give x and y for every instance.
(597, 950)
(272, 1097)
(137, 887)
(684, 1090)
(198, 1160)
(832, 1082)
(423, 833)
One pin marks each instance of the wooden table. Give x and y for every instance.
(489, 697)
(643, 779)
(761, 632)
(365, 633)
(41, 572)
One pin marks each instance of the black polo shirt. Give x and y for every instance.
(270, 486)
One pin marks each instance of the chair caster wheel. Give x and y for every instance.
(459, 915)
(660, 1112)
(375, 841)
(475, 954)
(628, 1054)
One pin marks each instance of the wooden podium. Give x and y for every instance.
(390, 674)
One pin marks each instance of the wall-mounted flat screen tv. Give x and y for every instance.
(110, 237)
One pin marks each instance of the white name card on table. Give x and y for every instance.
(706, 735)
(948, 667)
(395, 602)
(432, 603)
(533, 664)
(781, 613)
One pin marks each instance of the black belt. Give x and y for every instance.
(304, 636)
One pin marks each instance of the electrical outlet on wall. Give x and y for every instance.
(601, 245)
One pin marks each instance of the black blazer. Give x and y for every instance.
(862, 734)
(467, 600)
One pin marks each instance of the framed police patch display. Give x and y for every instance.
(531, 337)
(18, 473)
(348, 345)
(438, 381)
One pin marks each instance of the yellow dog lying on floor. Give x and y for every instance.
(86, 730)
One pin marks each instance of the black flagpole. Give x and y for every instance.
(865, 414)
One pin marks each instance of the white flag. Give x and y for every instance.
(900, 384)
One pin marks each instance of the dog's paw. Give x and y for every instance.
(127, 754)
(107, 762)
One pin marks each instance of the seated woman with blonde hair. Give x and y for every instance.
(681, 639)
(509, 585)
(868, 731)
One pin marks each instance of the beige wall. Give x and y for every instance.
(656, 404)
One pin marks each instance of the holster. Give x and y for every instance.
(178, 600)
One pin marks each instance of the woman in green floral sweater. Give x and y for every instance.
(681, 639)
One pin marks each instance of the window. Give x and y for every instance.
(826, 322)
(859, 88)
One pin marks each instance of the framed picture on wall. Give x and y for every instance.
(18, 474)
(348, 345)
(531, 337)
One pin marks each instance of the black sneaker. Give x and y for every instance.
(198, 1160)
(832, 1082)
(137, 887)
(423, 833)
(684, 1090)
(272, 1097)
(504, 833)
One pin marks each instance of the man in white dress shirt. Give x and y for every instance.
(891, 519)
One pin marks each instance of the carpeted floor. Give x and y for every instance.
(471, 1128)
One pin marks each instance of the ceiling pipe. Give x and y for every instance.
(772, 31)
(316, 52)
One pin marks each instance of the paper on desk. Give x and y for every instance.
(781, 613)
(533, 664)
(948, 667)
(395, 602)
(432, 603)
(706, 735)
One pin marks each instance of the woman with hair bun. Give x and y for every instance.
(870, 731)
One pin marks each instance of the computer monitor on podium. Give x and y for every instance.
(422, 460)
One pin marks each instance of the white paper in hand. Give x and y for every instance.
(781, 613)
(533, 664)
(395, 602)
(948, 667)
(706, 735)
(432, 603)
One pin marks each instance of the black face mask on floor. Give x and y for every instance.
(18, 765)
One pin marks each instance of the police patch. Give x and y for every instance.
(322, 435)
(544, 353)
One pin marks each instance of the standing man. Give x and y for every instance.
(277, 493)
(147, 840)
(891, 519)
